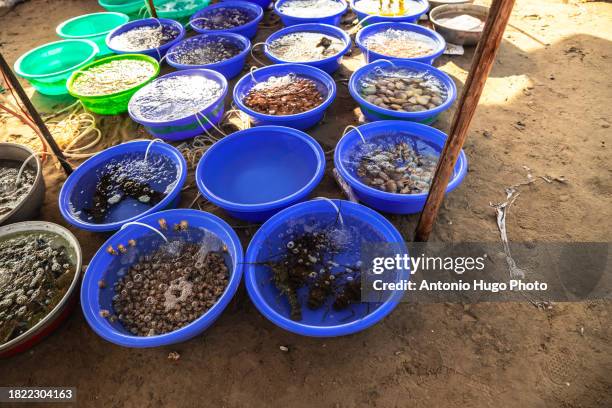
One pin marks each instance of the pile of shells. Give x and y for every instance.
(11, 194)
(306, 261)
(169, 288)
(398, 168)
(402, 91)
(144, 38)
(35, 273)
(285, 95)
(400, 43)
(209, 52)
(305, 46)
(113, 76)
(223, 18)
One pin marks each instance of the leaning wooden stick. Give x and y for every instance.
(484, 57)
(152, 9)
(14, 83)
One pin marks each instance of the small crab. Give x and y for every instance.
(104, 313)
(132, 242)
(122, 248)
(162, 223)
(111, 250)
(181, 226)
(101, 284)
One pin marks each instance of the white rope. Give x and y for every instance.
(195, 19)
(254, 57)
(251, 73)
(360, 24)
(23, 166)
(335, 207)
(149, 147)
(205, 130)
(356, 129)
(379, 70)
(146, 226)
(210, 123)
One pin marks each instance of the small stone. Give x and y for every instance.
(423, 100)
(174, 356)
(369, 90)
(436, 100)
(284, 348)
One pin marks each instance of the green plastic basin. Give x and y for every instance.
(49, 66)
(114, 103)
(92, 27)
(131, 8)
(179, 10)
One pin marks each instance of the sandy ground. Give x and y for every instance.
(545, 108)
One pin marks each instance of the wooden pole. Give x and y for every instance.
(484, 57)
(13, 82)
(152, 9)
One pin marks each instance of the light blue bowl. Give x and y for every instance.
(329, 64)
(248, 30)
(105, 266)
(254, 173)
(81, 184)
(381, 200)
(301, 121)
(189, 126)
(374, 113)
(332, 19)
(371, 56)
(157, 53)
(365, 226)
(229, 68)
(411, 16)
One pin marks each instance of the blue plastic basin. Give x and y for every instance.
(381, 200)
(157, 53)
(78, 190)
(264, 4)
(301, 121)
(329, 64)
(412, 15)
(371, 56)
(189, 126)
(254, 173)
(248, 30)
(332, 19)
(106, 267)
(229, 68)
(373, 112)
(362, 226)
